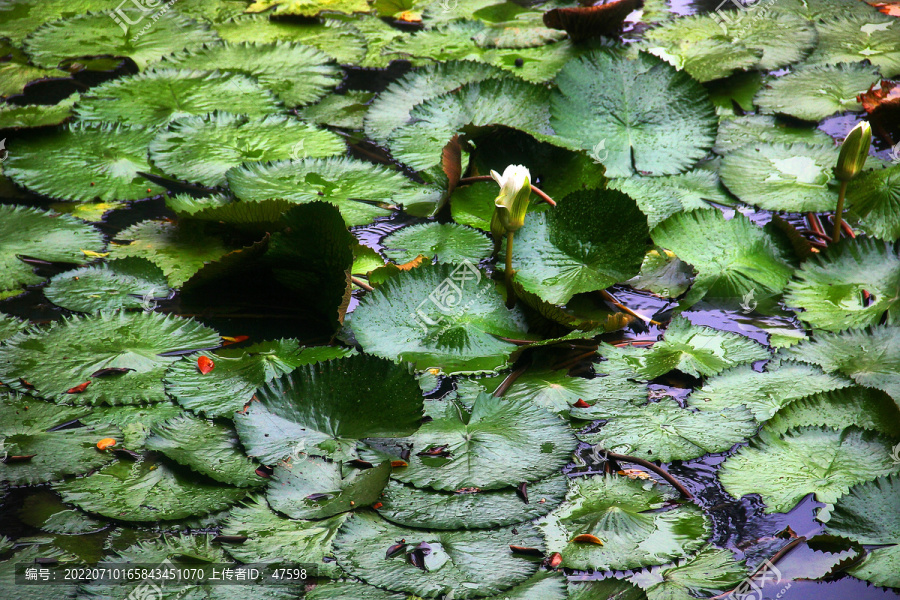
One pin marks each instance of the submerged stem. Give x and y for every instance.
(838, 213)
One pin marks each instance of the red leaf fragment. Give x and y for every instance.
(581, 404)
(555, 560)
(78, 388)
(205, 364)
(377, 505)
(587, 538)
(882, 103)
(396, 549)
(399, 463)
(228, 340)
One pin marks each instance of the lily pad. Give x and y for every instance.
(153, 100)
(874, 200)
(35, 115)
(307, 487)
(731, 257)
(298, 74)
(444, 316)
(590, 241)
(863, 407)
(238, 373)
(126, 283)
(467, 563)
(84, 163)
(10, 326)
(65, 362)
(708, 573)
(148, 490)
(814, 92)
(850, 38)
(48, 513)
(651, 119)
(202, 148)
(21, 17)
(500, 444)
(308, 8)
(635, 521)
(323, 408)
(29, 429)
(445, 242)
(740, 131)
(44, 235)
(469, 508)
(783, 469)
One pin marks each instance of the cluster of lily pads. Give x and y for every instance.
(415, 436)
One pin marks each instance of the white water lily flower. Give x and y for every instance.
(512, 203)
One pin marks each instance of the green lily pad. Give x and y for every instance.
(238, 373)
(708, 573)
(351, 590)
(18, 18)
(308, 8)
(298, 74)
(47, 512)
(664, 431)
(444, 316)
(10, 326)
(43, 235)
(446, 242)
(323, 408)
(862, 407)
(35, 115)
(126, 283)
(84, 163)
(764, 392)
(307, 487)
(28, 429)
(14, 76)
(871, 357)
(868, 514)
(206, 447)
(148, 490)
(634, 519)
(179, 249)
(590, 241)
(14, 590)
(605, 589)
(693, 349)
(663, 273)
(56, 361)
(783, 469)
(202, 148)
(874, 200)
(732, 258)
(272, 538)
(831, 288)
(814, 92)
(108, 33)
(760, 129)
(501, 443)
(790, 177)
(468, 564)
(851, 38)
(347, 111)
(153, 100)
(470, 509)
(648, 117)
(135, 421)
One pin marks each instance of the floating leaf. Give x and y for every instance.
(35, 115)
(814, 92)
(863, 407)
(663, 273)
(740, 131)
(297, 74)
(80, 346)
(823, 461)
(323, 408)
(468, 564)
(605, 589)
(126, 283)
(43, 235)
(851, 38)
(708, 573)
(18, 18)
(874, 199)
(238, 374)
(203, 148)
(650, 118)
(10, 326)
(634, 519)
(351, 590)
(307, 8)
(47, 512)
(501, 443)
(28, 430)
(447, 242)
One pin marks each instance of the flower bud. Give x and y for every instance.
(512, 203)
(854, 152)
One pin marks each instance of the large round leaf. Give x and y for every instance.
(120, 356)
(42, 235)
(148, 490)
(815, 92)
(18, 18)
(735, 132)
(323, 408)
(874, 200)
(851, 38)
(155, 99)
(823, 461)
(447, 242)
(635, 521)
(108, 33)
(863, 407)
(731, 257)
(590, 241)
(297, 74)
(470, 508)
(709, 573)
(831, 288)
(308, 9)
(468, 564)
(501, 443)
(238, 373)
(442, 316)
(85, 163)
(648, 117)
(791, 177)
(203, 148)
(127, 283)
(29, 430)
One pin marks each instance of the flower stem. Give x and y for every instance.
(510, 293)
(838, 213)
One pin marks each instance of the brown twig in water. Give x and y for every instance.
(361, 283)
(766, 564)
(506, 383)
(612, 300)
(658, 470)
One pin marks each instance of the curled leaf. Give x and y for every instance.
(78, 388)
(106, 443)
(587, 538)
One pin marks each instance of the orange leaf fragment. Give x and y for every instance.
(78, 388)
(555, 560)
(399, 463)
(205, 364)
(377, 505)
(581, 404)
(587, 538)
(228, 340)
(106, 443)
